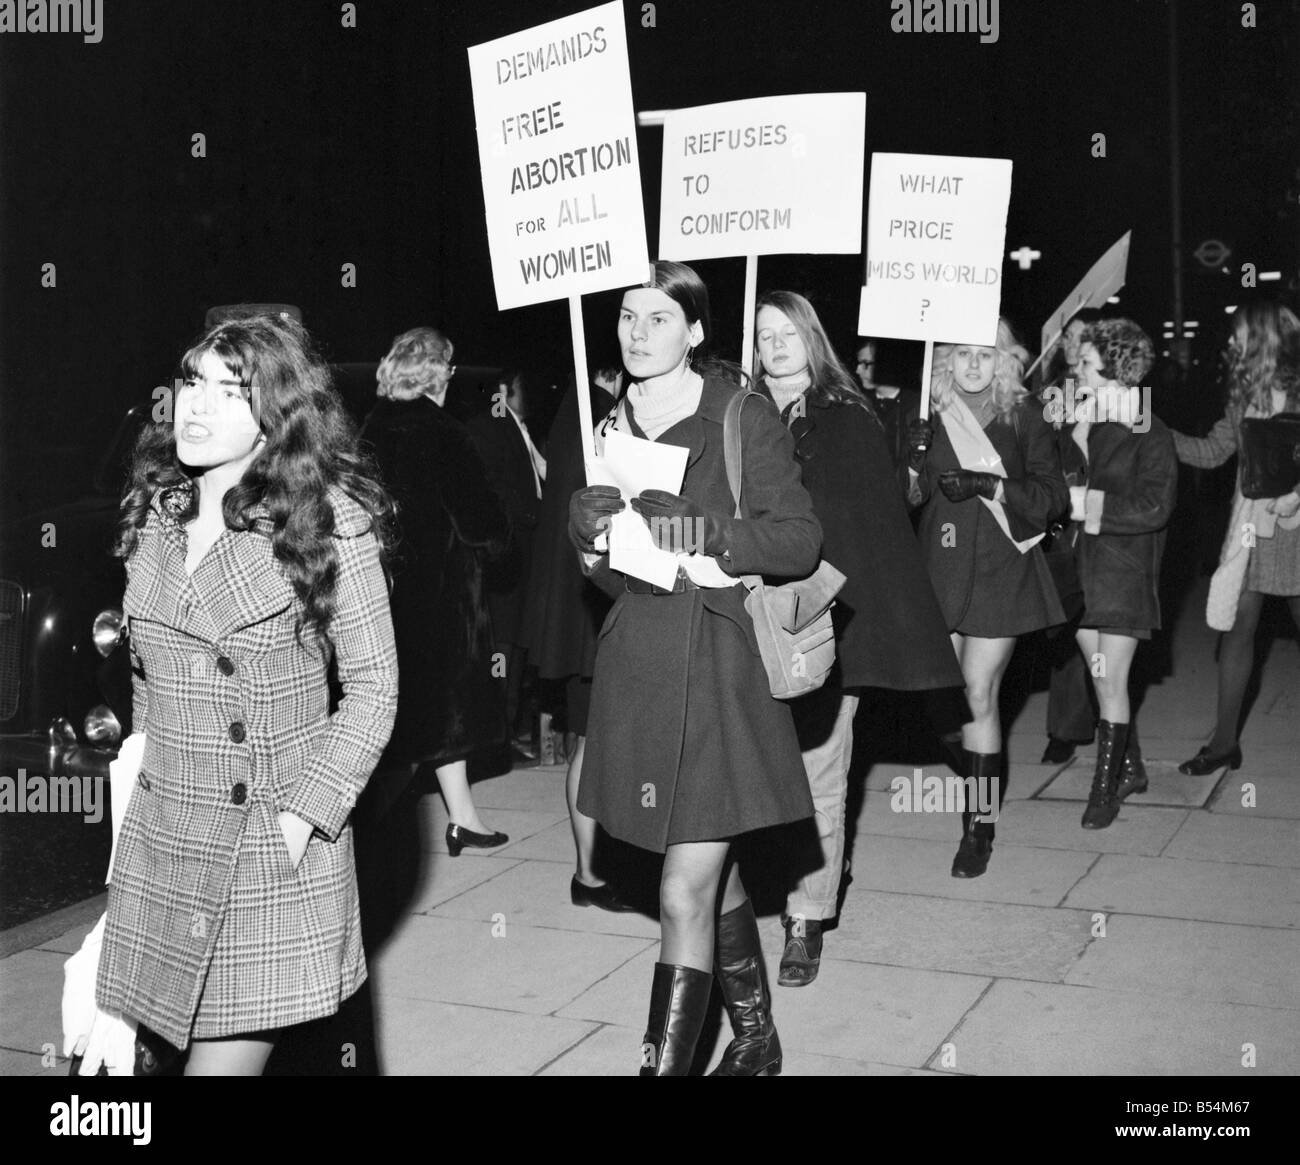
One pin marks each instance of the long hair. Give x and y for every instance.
(1259, 331)
(685, 288)
(1008, 372)
(310, 447)
(831, 382)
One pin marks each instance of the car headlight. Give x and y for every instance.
(109, 630)
(101, 726)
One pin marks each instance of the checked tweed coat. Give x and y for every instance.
(211, 931)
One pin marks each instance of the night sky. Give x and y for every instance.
(329, 145)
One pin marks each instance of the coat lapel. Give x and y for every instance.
(239, 583)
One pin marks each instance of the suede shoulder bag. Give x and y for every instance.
(792, 622)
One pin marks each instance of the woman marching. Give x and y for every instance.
(989, 486)
(1263, 360)
(687, 748)
(450, 519)
(253, 535)
(1126, 457)
(889, 631)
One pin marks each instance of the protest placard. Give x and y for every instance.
(557, 149)
(936, 227)
(1105, 277)
(765, 176)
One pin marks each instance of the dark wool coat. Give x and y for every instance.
(686, 741)
(510, 471)
(896, 413)
(211, 931)
(449, 520)
(565, 609)
(985, 586)
(889, 631)
(1132, 490)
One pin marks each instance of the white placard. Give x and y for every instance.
(936, 226)
(557, 148)
(767, 176)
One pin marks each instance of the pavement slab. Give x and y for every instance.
(527, 969)
(1054, 825)
(533, 790)
(1039, 1029)
(444, 877)
(1029, 875)
(1178, 888)
(1210, 961)
(420, 1037)
(536, 894)
(1167, 786)
(552, 844)
(31, 1000)
(973, 938)
(1240, 796)
(1209, 837)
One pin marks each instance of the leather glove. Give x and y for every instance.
(680, 525)
(960, 484)
(590, 510)
(920, 436)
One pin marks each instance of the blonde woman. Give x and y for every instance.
(1263, 364)
(986, 473)
(450, 705)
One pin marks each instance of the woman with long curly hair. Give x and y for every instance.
(1261, 550)
(988, 477)
(253, 535)
(889, 631)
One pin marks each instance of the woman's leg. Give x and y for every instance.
(245, 1056)
(453, 780)
(1236, 662)
(584, 827)
(688, 901)
(1109, 659)
(1113, 661)
(983, 663)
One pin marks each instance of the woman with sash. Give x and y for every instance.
(986, 472)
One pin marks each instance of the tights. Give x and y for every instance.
(1236, 662)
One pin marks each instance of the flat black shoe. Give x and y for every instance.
(1206, 761)
(972, 857)
(1058, 751)
(802, 957)
(604, 896)
(458, 837)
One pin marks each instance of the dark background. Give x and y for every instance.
(328, 145)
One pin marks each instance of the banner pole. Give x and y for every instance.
(581, 383)
(747, 333)
(927, 368)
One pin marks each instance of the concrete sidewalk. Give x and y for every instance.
(1168, 944)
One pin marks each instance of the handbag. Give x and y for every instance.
(792, 622)
(1270, 455)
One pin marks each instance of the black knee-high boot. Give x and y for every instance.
(972, 857)
(742, 975)
(679, 1001)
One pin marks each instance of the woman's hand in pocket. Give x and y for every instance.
(1286, 506)
(297, 833)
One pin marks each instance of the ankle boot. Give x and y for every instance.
(972, 857)
(756, 1050)
(679, 1001)
(1133, 773)
(1103, 804)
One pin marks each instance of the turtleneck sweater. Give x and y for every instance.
(980, 404)
(658, 411)
(786, 390)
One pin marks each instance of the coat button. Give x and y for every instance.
(239, 794)
(225, 666)
(237, 732)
